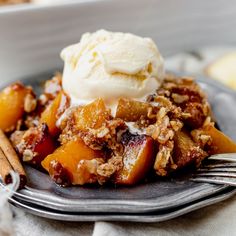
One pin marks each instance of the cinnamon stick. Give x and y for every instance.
(12, 158)
(5, 168)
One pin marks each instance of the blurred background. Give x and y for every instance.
(195, 37)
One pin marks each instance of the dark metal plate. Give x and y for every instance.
(158, 195)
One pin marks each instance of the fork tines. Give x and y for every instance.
(219, 169)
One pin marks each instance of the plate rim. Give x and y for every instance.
(120, 205)
(144, 218)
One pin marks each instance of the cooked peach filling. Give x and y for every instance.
(77, 145)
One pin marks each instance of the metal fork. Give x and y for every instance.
(218, 169)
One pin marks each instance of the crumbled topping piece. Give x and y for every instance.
(106, 170)
(164, 159)
(30, 103)
(16, 137)
(179, 98)
(98, 170)
(200, 138)
(28, 155)
(43, 99)
(176, 125)
(59, 174)
(53, 86)
(161, 130)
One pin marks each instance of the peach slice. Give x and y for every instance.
(93, 115)
(70, 156)
(138, 158)
(220, 142)
(131, 110)
(12, 105)
(53, 111)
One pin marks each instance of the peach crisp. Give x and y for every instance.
(114, 116)
(172, 129)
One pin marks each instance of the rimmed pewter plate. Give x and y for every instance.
(158, 195)
(150, 217)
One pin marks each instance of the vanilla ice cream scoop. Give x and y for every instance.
(110, 66)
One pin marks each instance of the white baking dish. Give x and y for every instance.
(32, 36)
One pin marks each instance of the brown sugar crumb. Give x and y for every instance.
(16, 137)
(28, 155)
(106, 170)
(176, 125)
(53, 86)
(99, 170)
(59, 174)
(30, 103)
(31, 120)
(200, 138)
(179, 98)
(164, 159)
